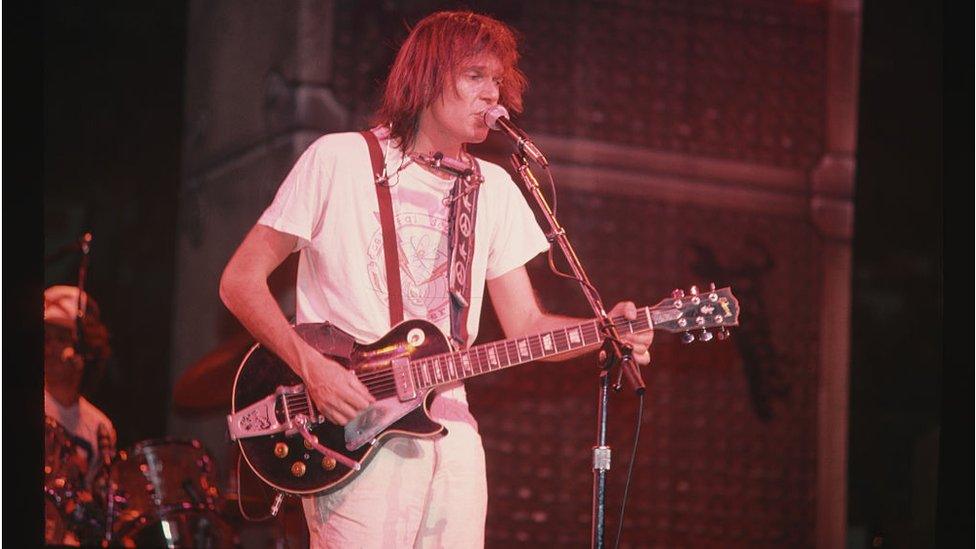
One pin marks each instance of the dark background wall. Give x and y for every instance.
(896, 362)
(113, 84)
(112, 132)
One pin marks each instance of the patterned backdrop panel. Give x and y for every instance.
(727, 455)
(741, 80)
(728, 449)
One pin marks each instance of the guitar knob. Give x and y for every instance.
(678, 293)
(308, 444)
(705, 335)
(328, 463)
(281, 450)
(687, 337)
(297, 469)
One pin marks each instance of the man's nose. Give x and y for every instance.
(490, 92)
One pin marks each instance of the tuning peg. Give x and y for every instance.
(705, 335)
(677, 293)
(693, 290)
(687, 337)
(723, 334)
(711, 286)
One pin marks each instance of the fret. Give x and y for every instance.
(446, 364)
(590, 333)
(535, 346)
(629, 325)
(492, 358)
(561, 339)
(465, 364)
(415, 374)
(575, 337)
(548, 345)
(511, 353)
(474, 358)
(482, 357)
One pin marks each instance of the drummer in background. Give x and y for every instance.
(68, 362)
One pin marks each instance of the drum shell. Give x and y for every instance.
(157, 477)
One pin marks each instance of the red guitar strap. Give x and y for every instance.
(390, 253)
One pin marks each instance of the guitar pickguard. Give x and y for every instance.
(373, 420)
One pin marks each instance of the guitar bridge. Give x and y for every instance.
(263, 418)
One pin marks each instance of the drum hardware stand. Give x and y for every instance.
(105, 449)
(614, 352)
(84, 244)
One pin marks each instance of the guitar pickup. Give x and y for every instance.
(261, 418)
(405, 388)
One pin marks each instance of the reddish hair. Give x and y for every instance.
(430, 59)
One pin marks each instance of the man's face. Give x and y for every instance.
(61, 363)
(457, 116)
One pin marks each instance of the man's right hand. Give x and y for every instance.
(337, 392)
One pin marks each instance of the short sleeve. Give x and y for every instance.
(298, 205)
(516, 236)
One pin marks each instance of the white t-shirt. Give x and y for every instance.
(328, 201)
(82, 421)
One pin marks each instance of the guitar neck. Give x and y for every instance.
(446, 368)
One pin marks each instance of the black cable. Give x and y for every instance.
(630, 469)
(552, 260)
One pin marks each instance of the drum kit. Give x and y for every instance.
(160, 492)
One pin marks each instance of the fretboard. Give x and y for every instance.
(490, 357)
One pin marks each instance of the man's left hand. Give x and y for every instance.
(641, 343)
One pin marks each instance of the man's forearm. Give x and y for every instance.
(251, 302)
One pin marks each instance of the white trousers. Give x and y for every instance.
(424, 493)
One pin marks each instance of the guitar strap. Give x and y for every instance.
(390, 254)
(464, 209)
(464, 204)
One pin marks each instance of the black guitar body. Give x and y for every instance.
(286, 462)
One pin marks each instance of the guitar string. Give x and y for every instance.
(384, 380)
(379, 380)
(383, 384)
(618, 321)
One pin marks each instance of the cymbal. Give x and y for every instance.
(207, 384)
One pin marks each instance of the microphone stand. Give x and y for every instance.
(613, 353)
(84, 243)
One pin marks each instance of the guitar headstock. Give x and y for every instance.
(697, 311)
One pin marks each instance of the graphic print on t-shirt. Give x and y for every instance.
(422, 241)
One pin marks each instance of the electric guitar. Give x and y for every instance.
(294, 449)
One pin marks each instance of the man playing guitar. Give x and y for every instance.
(451, 68)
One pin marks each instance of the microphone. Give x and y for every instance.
(496, 118)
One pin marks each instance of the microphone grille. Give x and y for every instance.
(493, 114)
